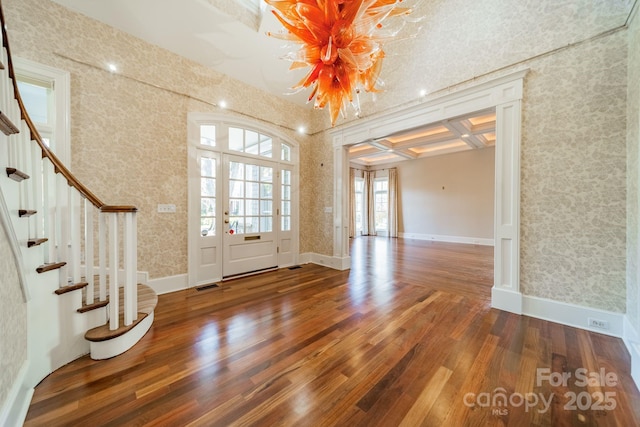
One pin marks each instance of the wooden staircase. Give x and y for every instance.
(76, 256)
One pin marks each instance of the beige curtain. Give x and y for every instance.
(369, 214)
(352, 202)
(393, 202)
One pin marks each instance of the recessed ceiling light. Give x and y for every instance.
(465, 135)
(302, 130)
(223, 104)
(112, 68)
(423, 92)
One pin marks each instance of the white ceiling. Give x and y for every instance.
(198, 30)
(239, 47)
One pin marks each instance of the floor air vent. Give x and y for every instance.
(205, 287)
(295, 267)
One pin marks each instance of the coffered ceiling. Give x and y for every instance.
(469, 132)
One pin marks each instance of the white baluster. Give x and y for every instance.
(88, 250)
(75, 221)
(102, 254)
(36, 185)
(49, 211)
(114, 305)
(130, 286)
(62, 215)
(25, 188)
(4, 84)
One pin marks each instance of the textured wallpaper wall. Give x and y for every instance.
(633, 148)
(129, 137)
(573, 205)
(13, 320)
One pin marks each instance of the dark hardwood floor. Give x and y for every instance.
(405, 338)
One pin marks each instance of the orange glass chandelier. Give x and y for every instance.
(341, 44)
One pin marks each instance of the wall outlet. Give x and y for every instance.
(164, 208)
(599, 324)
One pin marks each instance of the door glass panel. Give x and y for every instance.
(252, 224)
(208, 135)
(266, 207)
(236, 139)
(266, 174)
(251, 142)
(253, 172)
(250, 198)
(207, 226)
(266, 224)
(236, 207)
(286, 153)
(266, 191)
(252, 190)
(286, 223)
(236, 170)
(285, 197)
(266, 146)
(207, 196)
(208, 187)
(208, 206)
(236, 188)
(207, 167)
(253, 207)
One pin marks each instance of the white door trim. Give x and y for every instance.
(505, 95)
(194, 120)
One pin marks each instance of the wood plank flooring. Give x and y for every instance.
(405, 338)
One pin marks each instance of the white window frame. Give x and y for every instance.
(61, 83)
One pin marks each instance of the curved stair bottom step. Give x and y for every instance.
(101, 350)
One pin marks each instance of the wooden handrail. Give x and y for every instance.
(59, 167)
(118, 209)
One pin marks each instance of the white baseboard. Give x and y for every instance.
(506, 300)
(573, 315)
(449, 239)
(14, 410)
(336, 263)
(632, 341)
(165, 285)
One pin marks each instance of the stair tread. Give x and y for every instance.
(50, 266)
(70, 288)
(97, 304)
(16, 175)
(147, 301)
(36, 242)
(7, 126)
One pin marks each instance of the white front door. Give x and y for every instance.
(250, 198)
